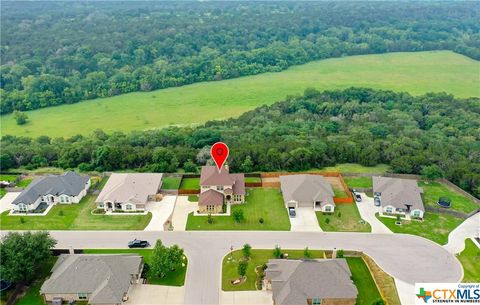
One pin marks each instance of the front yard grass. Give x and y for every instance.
(470, 259)
(349, 220)
(9, 178)
(173, 278)
(75, 217)
(363, 182)
(258, 258)
(171, 183)
(435, 227)
(190, 184)
(266, 203)
(367, 290)
(432, 191)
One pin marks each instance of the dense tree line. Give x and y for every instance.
(431, 134)
(63, 52)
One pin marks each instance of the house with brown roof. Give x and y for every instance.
(310, 191)
(310, 282)
(218, 188)
(129, 192)
(399, 196)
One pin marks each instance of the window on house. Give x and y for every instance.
(416, 213)
(22, 207)
(328, 208)
(82, 296)
(210, 208)
(128, 207)
(220, 188)
(316, 301)
(389, 210)
(101, 205)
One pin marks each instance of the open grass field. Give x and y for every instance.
(75, 217)
(435, 227)
(266, 203)
(173, 278)
(432, 191)
(470, 259)
(349, 220)
(417, 73)
(355, 168)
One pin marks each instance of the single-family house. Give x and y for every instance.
(310, 282)
(96, 279)
(129, 192)
(399, 196)
(62, 189)
(311, 191)
(218, 188)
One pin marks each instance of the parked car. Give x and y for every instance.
(291, 212)
(358, 197)
(376, 201)
(137, 243)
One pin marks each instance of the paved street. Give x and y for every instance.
(408, 258)
(468, 229)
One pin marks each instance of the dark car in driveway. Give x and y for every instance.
(358, 197)
(291, 212)
(137, 243)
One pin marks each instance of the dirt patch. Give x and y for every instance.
(335, 182)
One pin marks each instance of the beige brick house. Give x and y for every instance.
(218, 188)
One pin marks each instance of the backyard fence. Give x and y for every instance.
(188, 192)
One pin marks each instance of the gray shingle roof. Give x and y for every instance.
(398, 192)
(295, 281)
(69, 183)
(306, 188)
(106, 277)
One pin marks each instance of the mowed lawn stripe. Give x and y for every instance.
(416, 73)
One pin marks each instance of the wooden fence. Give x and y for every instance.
(188, 192)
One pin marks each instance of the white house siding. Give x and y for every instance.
(292, 204)
(412, 213)
(30, 207)
(387, 207)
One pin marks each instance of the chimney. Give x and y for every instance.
(227, 168)
(71, 251)
(334, 253)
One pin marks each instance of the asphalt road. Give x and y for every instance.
(407, 258)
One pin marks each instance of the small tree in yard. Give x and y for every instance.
(209, 218)
(242, 268)
(175, 257)
(307, 253)
(247, 250)
(277, 252)
(398, 218)
(238, 216)
(327, 220)
(378, 302)
(20, 117)
(340, 253)
(23, 254)
(165, 259)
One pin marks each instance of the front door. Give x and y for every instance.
(109, 205)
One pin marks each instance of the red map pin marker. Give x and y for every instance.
(219, 153)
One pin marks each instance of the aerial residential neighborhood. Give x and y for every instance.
(239, 152)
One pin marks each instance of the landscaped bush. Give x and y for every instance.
(261, 220)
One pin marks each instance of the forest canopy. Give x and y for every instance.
(312, 131)
(63, 52)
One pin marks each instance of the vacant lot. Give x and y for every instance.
(435, 227)
(416, 73)
(356, 168)
(75, 217)
(345, 219)
(173, 278)
(432, 191)
(470, 259)
(265, 203)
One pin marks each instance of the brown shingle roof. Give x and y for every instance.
(210, 197)
(211, 176)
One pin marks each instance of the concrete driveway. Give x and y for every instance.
(6, 201)
(142, 294)
(261, 297)
(183, 207)
(470, 228)
(305, 221)
(408, 258)
(367, 211)
(160, 210)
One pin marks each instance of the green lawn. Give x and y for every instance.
(266, 203)
(75, 217)
(470, 259)
(356, 168)
(253, 179)
(367, 290)
(348, 222)
(190, 184)
(363, 182)
(258, 258)
(173, 278)
(24, 182)
(435, 227)
(9, 178)
(339, 193)
(415, 72)
(193, 198)
(171, 183)
(2, 192)
(432, 191)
